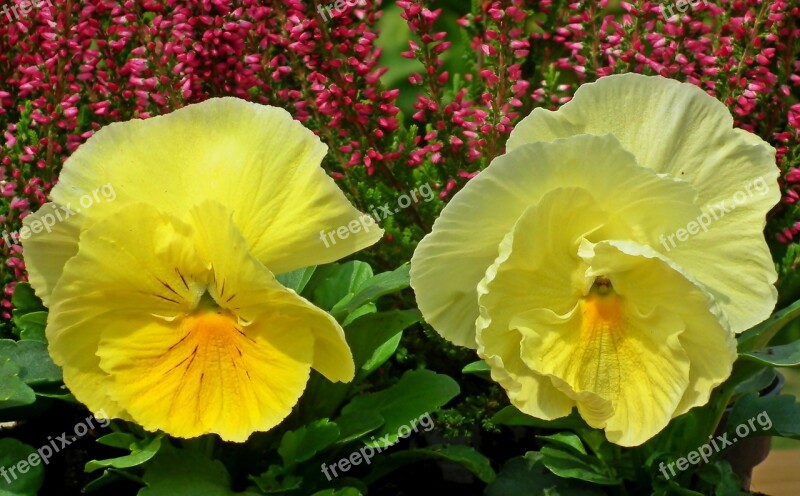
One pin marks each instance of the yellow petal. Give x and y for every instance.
(258, 293)
(194, 335)
(632, 362)
(450, 262)
(109, 281)
(253, 159)
(707, 339)
(207, 373)
(48, 247)
(678, 130)
(629, 360)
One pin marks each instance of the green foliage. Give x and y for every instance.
(141, 450)
(479, 368)
(13, 390)
(760, 335)
(374, 337)
(510, 415)
(787, 355)
(345, 491)
(15, 482)
(528, 476)
(766, 416)
(24, 366)
(466, 456)
(300, 445)
(416, 394)
(187, 473)
(25, 302)
(297, 280)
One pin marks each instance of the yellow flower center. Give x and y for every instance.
(210, 336)
(602, 310)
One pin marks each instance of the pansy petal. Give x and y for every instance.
(706, 339)
(452, 260)
(597, 352)
(108, 280)
(208, 375)
(538, 291)
(51, 240)
(193, 333)
(622, 360)
(692, 138)
(531, 392)
(255, 160)
(625, 371)
(243, 283)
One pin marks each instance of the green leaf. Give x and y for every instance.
(571, 464)
(276, 481)
(759, 381)
(13, 391)
(776, 415)
(527, 476)
(672, 488)
(34, 361)
(13, 456)
(330, 284)
(56, 391)
(187, 473)
(109, 477)
(789, 276)
(345, 491)
(479, 368)
(722, 480)
(374, 288)
(787, 355)
(360, 312)
(302, 444)
(466, 456)
(25, 300)
(760, 335)
(121, 440)
(374, 337)
(298, 279)
(322, 398)
(32, 326)
(405, 404)
(141, 452)
(510, 415)
(566, 440)
(357, 424)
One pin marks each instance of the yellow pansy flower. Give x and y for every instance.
(253, 159)
(164, 306)
(552, 262)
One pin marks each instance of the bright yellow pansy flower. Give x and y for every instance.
(253, 159)
(553, 263)
(164, 306)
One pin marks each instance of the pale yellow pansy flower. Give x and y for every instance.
(551, 261)
(163, 304)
